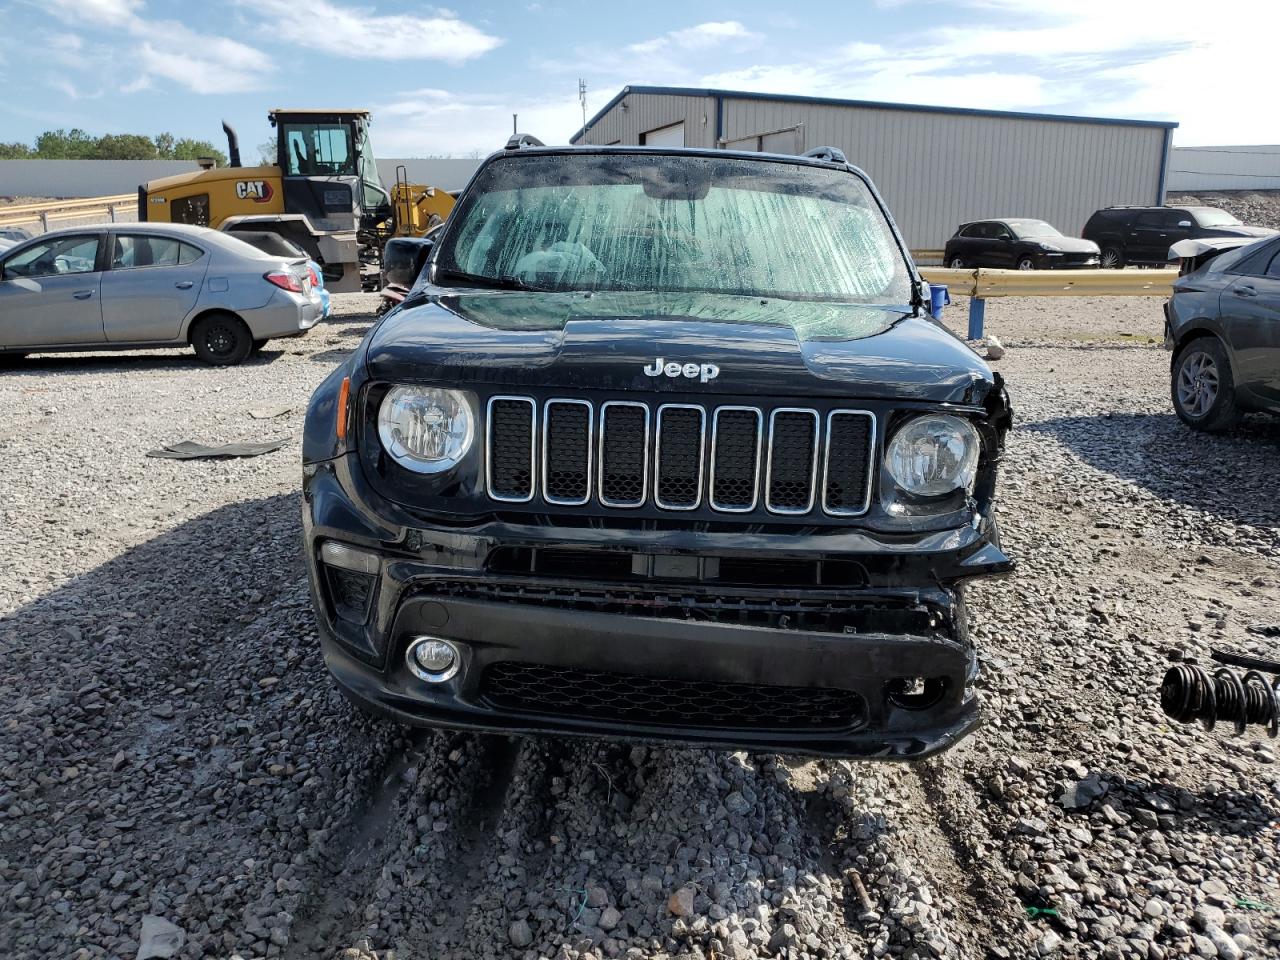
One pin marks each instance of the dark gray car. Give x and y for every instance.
(1223, 326)
(126, 286)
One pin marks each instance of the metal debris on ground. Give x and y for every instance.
(190, 450)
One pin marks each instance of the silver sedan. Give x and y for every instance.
(127, 286)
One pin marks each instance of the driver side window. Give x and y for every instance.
(53, 258)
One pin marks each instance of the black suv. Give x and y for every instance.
(1143, 235)
(663, 444)
(1021, 244)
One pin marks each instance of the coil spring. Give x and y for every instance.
(1192, 693)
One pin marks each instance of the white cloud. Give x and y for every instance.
(361, 33)
(704, 36)
(435, 122)
(202, 63)
(110, 13)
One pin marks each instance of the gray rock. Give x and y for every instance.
(519, 933)
(159, 938)
(1083, 792)
(1227, 948)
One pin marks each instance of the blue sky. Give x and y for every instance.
(445, 81)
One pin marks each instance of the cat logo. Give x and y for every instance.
(259, 191)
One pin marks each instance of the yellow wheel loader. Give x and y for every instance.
(324, 194)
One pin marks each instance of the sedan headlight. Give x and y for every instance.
(1050, 246)
(426, 429)
(933, 455)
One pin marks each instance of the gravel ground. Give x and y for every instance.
(173, 750)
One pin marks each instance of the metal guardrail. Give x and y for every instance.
(49, 213)
(981, 285)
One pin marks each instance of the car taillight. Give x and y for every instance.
(285, 281)
(315, 277)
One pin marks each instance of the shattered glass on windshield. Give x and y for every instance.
(677, 224)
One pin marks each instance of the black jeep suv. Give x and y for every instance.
(663, 444)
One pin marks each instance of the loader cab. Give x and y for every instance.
(328, 168)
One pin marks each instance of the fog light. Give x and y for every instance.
(432, 659)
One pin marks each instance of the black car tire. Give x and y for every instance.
(956, 263)
(1204, 360)
(1111, 259)
(221, 339)
(1026, 262)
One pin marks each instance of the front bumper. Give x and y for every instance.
(651, 658)
(1069, 261)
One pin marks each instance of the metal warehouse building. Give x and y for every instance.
(937, 167)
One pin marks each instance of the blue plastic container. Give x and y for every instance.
(939, 297)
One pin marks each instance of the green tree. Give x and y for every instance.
(125, 146)
(267, 153)
(65, 145)
(188, 149)
(14, 151)
(164, 146)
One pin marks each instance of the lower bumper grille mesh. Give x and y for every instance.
(626, 698)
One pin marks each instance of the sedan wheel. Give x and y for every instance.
(956, 263)
(221, 339)
(1203, 388)
(1026, 263)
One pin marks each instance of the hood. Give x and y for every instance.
(1241, 231)
(1068, 244)
(607, 341)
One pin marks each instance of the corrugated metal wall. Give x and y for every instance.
(937, 170)
(639, 113)
(65, 179)
(1225, 168)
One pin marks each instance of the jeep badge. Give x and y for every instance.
(703, 371)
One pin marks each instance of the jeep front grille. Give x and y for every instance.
(680, 456)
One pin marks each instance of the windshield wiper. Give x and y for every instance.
(489, 283)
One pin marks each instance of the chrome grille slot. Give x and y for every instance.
(793, 460)
(677, 460)
(736, 434)
(566, 452)
(624, 453)
(509, 452)
(850, 443)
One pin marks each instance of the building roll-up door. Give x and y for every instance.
(672, 136)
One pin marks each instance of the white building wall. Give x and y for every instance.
(1225, 168)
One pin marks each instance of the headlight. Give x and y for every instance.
(425, 429)
(933, 455)
(1051, 246)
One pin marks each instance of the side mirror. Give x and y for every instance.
(403, 259)
(1184, 223)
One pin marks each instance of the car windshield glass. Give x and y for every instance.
(1026, 229)
(1213, 217)
(675, 224)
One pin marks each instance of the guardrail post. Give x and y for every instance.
(112, 210)
(977, 314)
(44, 221)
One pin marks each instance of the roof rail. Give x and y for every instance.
(827, 154)
(522, 141)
